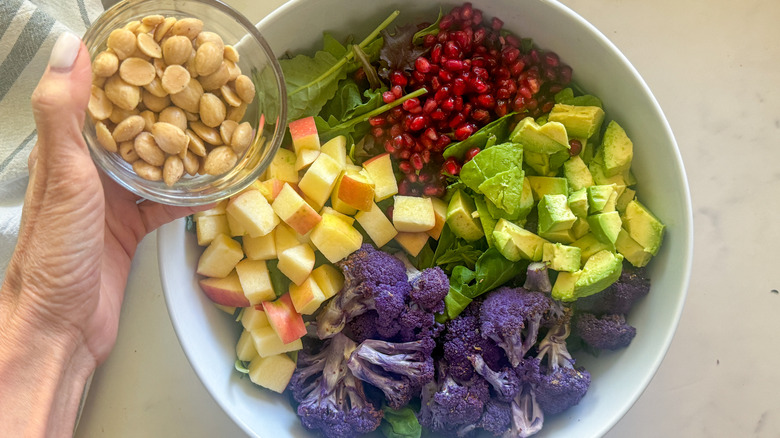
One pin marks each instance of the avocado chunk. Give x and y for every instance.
(606, 226)
(599, 174)
(516, 243)
(627, 196)
(488, 223)
(554, 214)
(617, 150)
(632, 251)
(599, 272)
(547, 185)
(580, 228)
(564, 285)
(578, 203)
(577, 173)
(460, 217)
(523, 208)
(561, 257)
(643, 226)
(598, 197)
(580, 121)
(505, 189)
(589, 245)
(546, 147)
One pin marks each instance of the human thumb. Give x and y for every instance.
(60, 99)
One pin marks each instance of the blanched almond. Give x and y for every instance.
(128, 128)
(242, 138)
(127, 152)
(172, 170)
(216, 79)
(220, 160)
(136, 71)
(175, 116)
(236, 113)
(189, 98)
(150, 118)
(149, 46)
(195, 145)
(104, 137)
(105, 64)
(176, 50)
(231, 54)
(175, 79)
(147, 171)
(229, 96)
(162, 29)
(208, 58)
(170, 138)
(147, 148)
(121, 93)
(155, 87)
(189, 27)
(208, 134)
(99, 105)
(212, 110)
(155, 103)
(153, 20)
(226, 130)
(122, 42)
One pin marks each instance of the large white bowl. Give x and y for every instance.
(208, 336)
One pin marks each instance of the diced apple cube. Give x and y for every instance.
(307, 296)
(329, 279)
(245, 348)
(296, 263)
(235, 228)
(377, 225)
(260, 248)
(295, 211)
(270, 188)
(254, 317)
(335, 238)
(216, 210)
(304, 134)
(284, 320)
(220, 257)
(412, 214)
(413, 243)
(284, 238)
(336, 147)
(346, 218)
(255, 281)
(440, 214)
(305, 158)
(338, 204)
(356, 189)
(320, 178)
(208, 227)
(282, 167)
(253, 212)
(380, 169)
(225, 291)
(267, 342)
(227, 309)
(272, 372)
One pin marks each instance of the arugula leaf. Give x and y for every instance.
(494, 132)
(566, 96)
(331, 45)
(279, 281)
(433, 29)
(346, 98)
(400, 423)
(493, 270)
(306, 74)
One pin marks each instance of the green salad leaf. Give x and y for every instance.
(400, 423)
(497, 130)
(306, 74)
(433, 29)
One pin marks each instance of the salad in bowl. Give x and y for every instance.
(456, 238)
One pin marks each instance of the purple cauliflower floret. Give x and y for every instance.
(496, 419)
(505, 382)
(399, 370)
(537, 278)
(462, 340)
(373, 280)
(429, 288)
(558, 384)
(620, 297)
(609, 332)
(331, 399)
(446, 405)
(416, 323)
(512, 318)
(527, 415)
(362, 327)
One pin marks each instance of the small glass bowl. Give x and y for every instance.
(267, 114)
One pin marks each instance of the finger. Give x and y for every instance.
(60, 99)
(156, 215)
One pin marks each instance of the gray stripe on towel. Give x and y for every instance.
(18, 149)
(27, 45)
(84, 15)
(8, 10)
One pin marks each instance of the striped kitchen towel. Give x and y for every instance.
(28, 30)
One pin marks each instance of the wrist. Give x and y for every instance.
(43, 369)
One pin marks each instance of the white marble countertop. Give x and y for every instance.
(714, 66)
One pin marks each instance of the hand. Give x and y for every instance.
(79, 230)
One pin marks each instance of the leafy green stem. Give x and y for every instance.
(350, 54)
(386, 107)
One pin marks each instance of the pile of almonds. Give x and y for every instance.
(169, 97)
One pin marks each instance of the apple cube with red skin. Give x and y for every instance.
(304, 134)
(377, 225)
(320, 178)
(297, 262)
(329, 279)
(440, 214)
(267, 342)
(220, 257)
(260, 248)
(253, 317)
(282, 167)
(356, 189)
(225, 291)
(270, 188)
(208, 227)
(336, 148)
(413, 243)
(335, 237)
(412, 214)
(272, 372)
(307, 296)
(245, 347)
(380, 169)
(336, 203)
(295, 211)
(285, 321)
(253, 212)
(255, 281)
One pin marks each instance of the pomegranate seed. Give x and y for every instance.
(478, 85)
(495, 23)
(433, 191)
(516, 68)
(443, 35)
(454, 65)
(486, 101)
(438, 114)
(398, 78)
(425, 142)
(436, 53)
(388, 97)
(471, 153)
(550, 75)
(458, 86)
(422, 65)
(575, 147)
(502, 108)
(479, 36)
(396, 130)
(377, 132)
(512, 41)
(547, 107)
(377, 121)
(456, 121)
(531, 104)
(416, 161)
(418, 123)
(445, 75)
(418, 76)
(442, 142)
(408, 139)
(551, 59)
(458, 103)
(451, 166)
(477, 17)
(429, 106)
(480, 72)
(429, 40)
(424, 177)
(467, 11)
(404, 155)
(451, 49)
(525, 92)
(389, 147)
(389, 211)
(565, 74)
(398, 142)
(464, 131)
(411, 177)
(426, 155)
(397, 91)
(463, 39)
(448, 104)
(510, 54)
(411, 104)
(446, 22)
(431, 134)
(480, 115)
(455, 12)
(441, 94)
